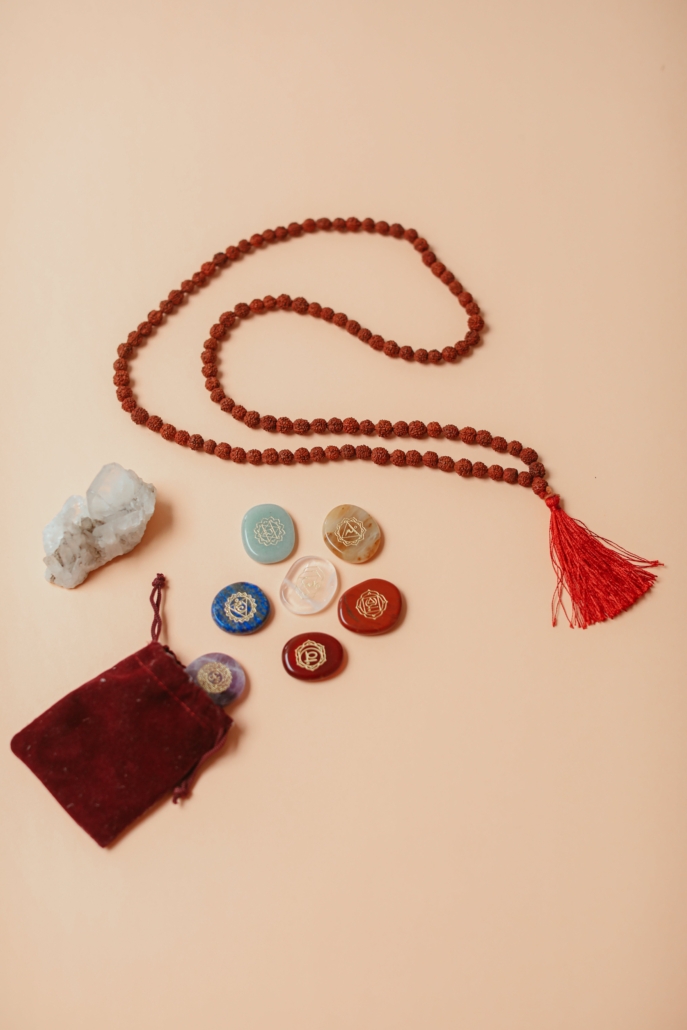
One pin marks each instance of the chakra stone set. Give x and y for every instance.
(269, 536)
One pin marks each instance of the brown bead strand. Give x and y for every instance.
(534, 477)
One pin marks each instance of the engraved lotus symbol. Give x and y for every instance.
(371, 604)
(350, 531)
(310, 655)
(240, 607)
(310, 580)
(269, 531)
(215, 678)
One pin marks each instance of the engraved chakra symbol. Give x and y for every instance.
(371, 604)
(310, 655)
(350, 531)
(215, 678)
(310, 580)
(269, 531)
(240, 607)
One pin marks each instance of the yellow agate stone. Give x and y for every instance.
(351, 533)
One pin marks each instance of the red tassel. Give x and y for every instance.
(600, 578)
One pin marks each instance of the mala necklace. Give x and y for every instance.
(600, 578)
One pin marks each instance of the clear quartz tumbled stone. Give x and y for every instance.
(309, 585)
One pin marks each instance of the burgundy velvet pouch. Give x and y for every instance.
(113, 747)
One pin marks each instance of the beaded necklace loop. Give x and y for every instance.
(600, 578)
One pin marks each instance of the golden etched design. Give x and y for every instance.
(371, 604)
(240, 607)
(310, 580)
(310, 655)
(214, 678)
(269, 531)
(350, 531)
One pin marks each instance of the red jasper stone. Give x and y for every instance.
(370, 607)
(312, 656)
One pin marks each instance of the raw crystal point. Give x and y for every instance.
(90, 531)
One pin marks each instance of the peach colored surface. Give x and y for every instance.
(481, 822)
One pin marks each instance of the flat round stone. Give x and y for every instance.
(370, 607)
(240, 608)
(268, 533)
(219, 675)
(309, 585)
(312, 656)
(351, 533)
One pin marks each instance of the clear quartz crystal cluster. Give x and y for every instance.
(90, 531)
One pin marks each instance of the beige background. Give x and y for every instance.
(481, 823)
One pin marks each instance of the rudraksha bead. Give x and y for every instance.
(340, 319)
(300, 305)
(285, 457)
(382, 228)
(196, 442)
(525, 479)
(238, 412)
(410, 235)
(413, 458)
(284, 301)
(363, 452)
(254, 456)
(332, 453)
(252, 419)
(364, 335)
(434, 430)
(209, 446)
(301, 426)
(121, 378)
(467, 434)
(391, 349)
(318, 425)
(211, 384)
(139, 416)
(537, 469)
(510, 475)
(129, 404)
(384, 428)
(499, 443)
(284, 424)
(168, 431)
(324, 223)
(154, 423)
(352, 327)
(430, 459)
(380, 455)
(421, 356)
(368, 225)
(446, 464)
(407, 353)
(268, 423)
(317, 454)
(339, 224)
(335, 425)
(257, 306)
(417, 430)
(228, 319)
(270, 456)
(217, 395)
(449, 353)
(327, 314)
(302, 454)
(528, 455)
(182, 437)
(348, 452)
(483, 437)
(450, 432)
(309, 225)
(514, 448)
(367, 428)
(123, 392)
(398, 458)
(479, 469)
(376, 342)
(351, 426)
(238, 455)
(400, 428)
(495, 472)
(227, 405)
(464, 467)
(223, 451)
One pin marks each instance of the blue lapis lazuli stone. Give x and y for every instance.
(268, 533)
(240, 608)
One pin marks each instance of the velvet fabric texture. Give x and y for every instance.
(117, 744)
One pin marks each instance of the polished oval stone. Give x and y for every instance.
(240, 608)
(268, 533)
(309, 585)
(219, 675)
(370, 607)
(312, 656)
(351, 533)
